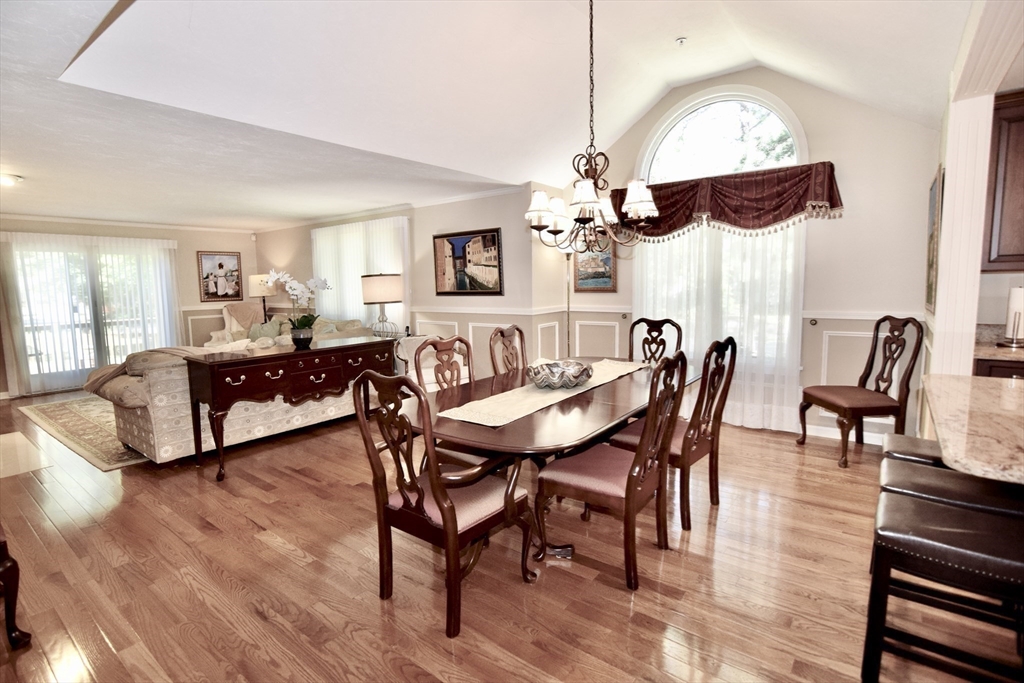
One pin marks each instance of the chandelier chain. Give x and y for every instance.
(592, 147)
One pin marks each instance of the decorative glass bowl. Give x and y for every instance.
(561, 374)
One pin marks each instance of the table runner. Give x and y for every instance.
(509, 406)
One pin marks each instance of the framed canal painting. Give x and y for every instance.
(468, 263)
(595, 271)
(220, 275)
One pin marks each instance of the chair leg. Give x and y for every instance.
(803, 423)
(844, 438)
(585, 515)
(539, 503)
(684, 493)
(661, 515)
(453, 588)
(525, 522)
(871, 663)
(859, 434)
(384, 551)
(713, 473)
(629, 545)
(10, 576)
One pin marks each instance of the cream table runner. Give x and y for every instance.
(509, 406)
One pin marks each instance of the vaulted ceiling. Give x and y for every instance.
(259, 115)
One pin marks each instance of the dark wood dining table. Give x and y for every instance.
(576, 421)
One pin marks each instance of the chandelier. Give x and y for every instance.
(596, 226)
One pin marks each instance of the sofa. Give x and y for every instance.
(277, 328)
(153, 413)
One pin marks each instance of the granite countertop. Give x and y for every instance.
(993, 352)
(980, 424)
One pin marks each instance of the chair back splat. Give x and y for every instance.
(424, 503)
(653, 345)
(508, 345)
(702, 432)
(893, 346)
(448, 369)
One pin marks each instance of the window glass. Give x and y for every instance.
(731, 136)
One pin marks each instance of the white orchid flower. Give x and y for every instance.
(317, 283)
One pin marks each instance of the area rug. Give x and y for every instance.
(86, 426)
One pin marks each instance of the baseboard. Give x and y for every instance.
(4, 396)
(873, 438)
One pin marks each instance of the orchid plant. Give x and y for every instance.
(302, 296)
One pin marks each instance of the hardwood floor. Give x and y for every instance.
(159, 573)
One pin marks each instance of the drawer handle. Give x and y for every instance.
(356, 364)
(314, 380)
(280, 374)
(332, 359)
(380, 358)
(301, 364)
(316, 360)
(235, 384)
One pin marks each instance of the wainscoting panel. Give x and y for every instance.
(480, 336)
(548, 341)
(597, 338)
(199, 324)
(441, 328)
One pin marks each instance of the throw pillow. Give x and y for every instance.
(139, 362)
(239, 334)
(271, 329)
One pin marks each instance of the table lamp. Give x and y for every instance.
(258, 287)
(383, 289)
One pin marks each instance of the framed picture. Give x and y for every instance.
(595, 271)
(220, 275)
(934, 225)
(468, 263)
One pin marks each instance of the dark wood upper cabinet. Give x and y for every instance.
(1004, 215)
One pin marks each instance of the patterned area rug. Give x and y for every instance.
(86, 426)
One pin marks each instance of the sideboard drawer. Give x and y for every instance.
(322, 360)
(251, 382)
(316, 383)
(379, 358)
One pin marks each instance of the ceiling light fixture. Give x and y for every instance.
(596, 226)
(6, 179)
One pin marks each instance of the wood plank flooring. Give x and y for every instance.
(159, 573)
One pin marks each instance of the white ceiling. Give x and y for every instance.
(259, 115)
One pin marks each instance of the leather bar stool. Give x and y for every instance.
(903, 447)
(952, 488)
(954, 546)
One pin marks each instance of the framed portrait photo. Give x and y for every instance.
(468, 263)
(220, 275)
(595, 271)
(934, 226)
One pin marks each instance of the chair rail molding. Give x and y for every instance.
(861, 315)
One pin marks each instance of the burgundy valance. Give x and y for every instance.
(754, 202)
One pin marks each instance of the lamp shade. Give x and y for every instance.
(584, 194)
(258, 286)
(382, 289)
(639, 202)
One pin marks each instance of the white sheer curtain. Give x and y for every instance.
(78, 302)
(717, 284)
(342, 254)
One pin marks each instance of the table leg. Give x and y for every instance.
(197, 433)
(217, 427)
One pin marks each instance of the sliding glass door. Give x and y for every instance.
(79, 302)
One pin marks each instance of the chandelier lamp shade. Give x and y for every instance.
(383, 289)
(595, 226)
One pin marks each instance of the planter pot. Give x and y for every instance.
(302, 338)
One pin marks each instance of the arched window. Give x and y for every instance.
(722, 131)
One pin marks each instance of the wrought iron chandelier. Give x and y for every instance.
(596, 227)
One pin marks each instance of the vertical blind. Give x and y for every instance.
(79, 302)
(342, 254)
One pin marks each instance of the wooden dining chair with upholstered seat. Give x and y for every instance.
(653, 345)
(450, 508)
(700, 435)
(453, 360)
(852, 404)
(603, 479)
(508, 349)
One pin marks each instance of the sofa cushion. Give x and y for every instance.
(139, 362)
(270, 329)
(127, 391)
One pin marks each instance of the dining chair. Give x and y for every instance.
(601, 478)
(452, 509)
(700, 435)
(653, 345)
(508, 344)
(453, 360)
(852, 404)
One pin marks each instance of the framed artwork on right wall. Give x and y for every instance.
(934, 225)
